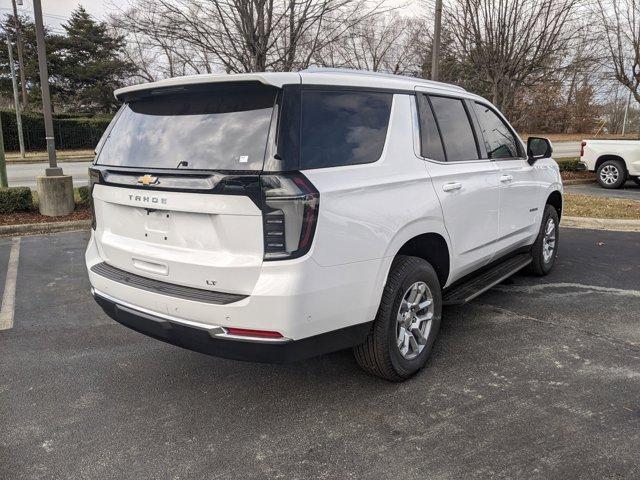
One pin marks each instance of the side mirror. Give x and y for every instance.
(538, 148)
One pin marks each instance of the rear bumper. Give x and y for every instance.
(296, 298)
(213, 340)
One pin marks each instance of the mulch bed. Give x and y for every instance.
(82, 212)
(578, 175)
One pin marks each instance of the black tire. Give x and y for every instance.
(541, 266)
(636, 179)
(380, 354)
(612, 174)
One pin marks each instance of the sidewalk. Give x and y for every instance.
(61, 155)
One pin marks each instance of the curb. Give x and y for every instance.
(38, 228)
(579, 181)
(601, 224)
(25, 161)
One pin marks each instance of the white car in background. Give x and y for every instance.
(614, 161)
(277, 216)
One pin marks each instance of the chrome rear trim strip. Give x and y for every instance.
(215, 331)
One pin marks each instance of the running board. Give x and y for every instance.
(470, 289)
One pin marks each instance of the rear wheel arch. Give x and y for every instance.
(433, 248)
(604, 158)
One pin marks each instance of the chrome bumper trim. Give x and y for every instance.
(215, 331)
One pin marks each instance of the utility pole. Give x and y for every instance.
(15, 99)
(626, 115)
(55, 190)
(23, 82)
(435, 48)
(4, 182)
(46, 97)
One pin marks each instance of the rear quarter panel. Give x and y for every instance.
(367, 212)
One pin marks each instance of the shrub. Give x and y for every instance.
(15, 199)
(84, 195)
(568, 164)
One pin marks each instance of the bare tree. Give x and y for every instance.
(621, 31)
(244, 35)
(511, 43)
(385, 43)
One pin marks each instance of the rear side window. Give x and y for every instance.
(498, 138)
(455, 128)
(343, 128)
(430, 142)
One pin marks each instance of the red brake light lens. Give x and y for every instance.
(246, 332)
(582, 145)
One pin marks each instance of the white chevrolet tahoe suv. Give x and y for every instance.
(614, 161)
(276, 216)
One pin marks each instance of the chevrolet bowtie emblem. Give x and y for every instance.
(148, 180)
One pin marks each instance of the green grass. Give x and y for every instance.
(600, 207)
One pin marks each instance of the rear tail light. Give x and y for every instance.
(290, 214)
(94, 177)
(582, 145)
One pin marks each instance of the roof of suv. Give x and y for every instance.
(311, 76)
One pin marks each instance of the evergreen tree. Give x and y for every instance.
(53, 45)
(91, 66)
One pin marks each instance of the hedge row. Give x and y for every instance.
(15, 199)
(568, 164)
(70, 131)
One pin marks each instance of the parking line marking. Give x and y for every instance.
(9, 295)
(579, 286)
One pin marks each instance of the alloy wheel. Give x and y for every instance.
(414, 320)
(549, 240)
(609, 174)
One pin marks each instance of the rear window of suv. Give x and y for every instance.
(223, 129)
(343, 127)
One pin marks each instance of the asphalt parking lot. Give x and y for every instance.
(538, 378)
(630, 191)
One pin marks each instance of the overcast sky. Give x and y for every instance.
(56, 12)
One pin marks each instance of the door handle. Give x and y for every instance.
(449, 187)
(506, 178)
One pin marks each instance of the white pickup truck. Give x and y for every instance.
(614, 161)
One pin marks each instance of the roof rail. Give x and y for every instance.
(353, 71)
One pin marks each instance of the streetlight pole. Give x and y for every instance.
(23, 82)
(4, 181)
(53, 169)
(435, 48)
(15, 99)
(55, 190)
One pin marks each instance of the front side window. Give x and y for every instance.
(498, 138)
(223, 128)
(343, 127)
(455, 128)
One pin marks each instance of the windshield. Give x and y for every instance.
(225, 129)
